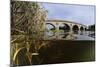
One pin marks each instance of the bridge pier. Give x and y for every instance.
(57, 30)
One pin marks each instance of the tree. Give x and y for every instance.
(27, 26)
(92, 27)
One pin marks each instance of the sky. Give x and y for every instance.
(84, 14)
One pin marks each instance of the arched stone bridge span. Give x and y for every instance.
(63, 29)
(67, 25)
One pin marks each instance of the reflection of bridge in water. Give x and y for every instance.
(67, 30)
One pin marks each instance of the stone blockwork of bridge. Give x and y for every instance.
(71, 26)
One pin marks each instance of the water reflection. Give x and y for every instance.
(76, 35)
(65, 35)
(50, 33)
(92, 34)
(81, 33)
(75, 32)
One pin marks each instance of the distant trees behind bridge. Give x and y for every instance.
(91, 27)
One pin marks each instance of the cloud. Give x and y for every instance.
(84, 14)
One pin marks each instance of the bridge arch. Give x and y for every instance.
(75, 28)
(50, 29)
(81, 28)
(64, 27)
(85, 29)
(50, 26)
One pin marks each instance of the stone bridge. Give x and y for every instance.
(68, 25)
(63, 26)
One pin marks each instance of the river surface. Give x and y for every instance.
(63, 51)
(61, 48)
(85, 35)
(60, 51)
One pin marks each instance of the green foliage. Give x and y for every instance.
(92, 27)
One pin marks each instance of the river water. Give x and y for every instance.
(80, 35)
(61, 48)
